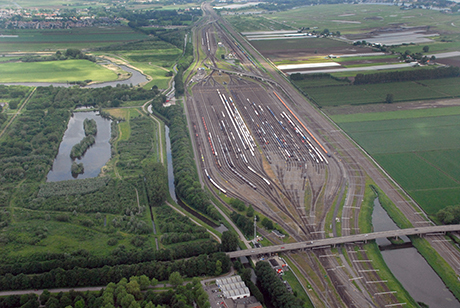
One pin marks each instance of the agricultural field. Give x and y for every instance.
(49, 4)
(418, 148)
(362, 18)
(61, 39)
(254, 23)
(54, 71)
(324, 93)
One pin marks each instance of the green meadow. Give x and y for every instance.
(54, 71)
(52, 40)
(418, 148)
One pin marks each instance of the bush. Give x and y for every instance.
(62, 217)
(112, 241)
(13, 104)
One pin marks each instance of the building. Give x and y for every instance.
(233, 287)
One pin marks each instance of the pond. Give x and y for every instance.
(410, 268)
(95, 157)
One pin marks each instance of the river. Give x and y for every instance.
(95, 157)
(410, 268)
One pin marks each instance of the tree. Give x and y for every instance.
(218, 267)
(52, 302)
(246, 274)
(80, 304)
(426, 48)
(144, 282)
(154, 282)
(267, 223)
(229, 241)
(134, 288)
(44, 297)
(13, 104)
(389, 98)
(250, 211)
(127, 300)
(175, 279)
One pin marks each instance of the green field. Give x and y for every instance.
(255, 23)
(360, 18)
(376, 93)
(54, 71)
(43, 3)
(50, 40)
(418, 148)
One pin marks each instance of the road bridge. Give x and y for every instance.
(325, 243)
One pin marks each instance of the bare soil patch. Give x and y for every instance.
(454, 61)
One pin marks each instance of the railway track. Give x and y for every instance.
(293, 172)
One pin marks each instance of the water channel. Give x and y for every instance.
(95, 157)
(172, 188)
(409, 267)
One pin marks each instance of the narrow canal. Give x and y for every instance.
(409, 267)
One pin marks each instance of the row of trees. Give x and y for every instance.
(42, 263)
(134, 293)
(69, 98)
(398, 76)
(112, 196)
(273, 289)
(72, 187)
(188, 187)
(155, 183)
(245, 224)
(78, 277)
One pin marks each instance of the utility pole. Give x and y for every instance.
(255, 232)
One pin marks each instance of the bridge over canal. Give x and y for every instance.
(323, 243)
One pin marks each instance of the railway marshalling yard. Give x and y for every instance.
(261, 142)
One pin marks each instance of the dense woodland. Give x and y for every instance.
(78, 277)
(135, 293)
(27, 153)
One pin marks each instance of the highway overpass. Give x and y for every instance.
(342, 240)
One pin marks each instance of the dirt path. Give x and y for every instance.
(18, 112)
(144, 108)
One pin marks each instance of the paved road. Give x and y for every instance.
(344, 239)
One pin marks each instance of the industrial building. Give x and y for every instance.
(233, 287)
